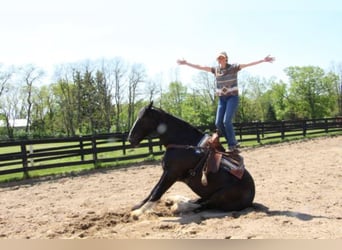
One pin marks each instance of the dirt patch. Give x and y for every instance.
(298, 195)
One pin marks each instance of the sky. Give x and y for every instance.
(156, 33)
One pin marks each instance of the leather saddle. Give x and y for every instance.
(217, 157)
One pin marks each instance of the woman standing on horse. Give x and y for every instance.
(228, 93)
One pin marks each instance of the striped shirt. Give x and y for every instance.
(227, 79)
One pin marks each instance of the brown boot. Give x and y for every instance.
(233, 150)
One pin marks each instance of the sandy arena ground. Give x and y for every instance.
(298, 196)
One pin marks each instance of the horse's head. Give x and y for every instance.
(146, 123)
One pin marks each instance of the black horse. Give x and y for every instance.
(181, 162)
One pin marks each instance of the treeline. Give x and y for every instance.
(104, 96)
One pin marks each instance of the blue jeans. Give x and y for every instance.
(227, 106)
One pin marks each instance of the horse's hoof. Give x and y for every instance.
(184, 207)
(135, 214)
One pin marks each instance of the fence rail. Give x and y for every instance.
(30, 155)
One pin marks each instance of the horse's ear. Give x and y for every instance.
(150, 105)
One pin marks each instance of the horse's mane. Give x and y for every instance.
(180, 121)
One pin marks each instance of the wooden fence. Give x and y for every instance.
(30, 155)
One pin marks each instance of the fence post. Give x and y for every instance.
(240, 131)
(81, 148)
(150, 147)
(326, 125)
(160, 145)
(304, 128)
(94, 150)
(123, 138)
(282, 130)
(257, 132)
(24, 159)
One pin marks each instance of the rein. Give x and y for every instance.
(183, 146)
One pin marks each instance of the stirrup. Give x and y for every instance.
(233, 150)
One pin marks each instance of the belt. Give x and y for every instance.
(227, 91)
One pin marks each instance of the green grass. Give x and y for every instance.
(75, 168)
(118, 153)
(289, 136)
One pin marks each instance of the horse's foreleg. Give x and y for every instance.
(140, 204)
(138, 212)
(165, 182)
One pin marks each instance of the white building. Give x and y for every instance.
(16, 123)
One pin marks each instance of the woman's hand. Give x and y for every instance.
(181, 62)
(269, 59)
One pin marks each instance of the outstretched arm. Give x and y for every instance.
(266, 59)
(195, 66)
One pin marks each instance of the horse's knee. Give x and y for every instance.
(183, 207)
(181, 204)
(172, 199)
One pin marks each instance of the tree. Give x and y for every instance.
(243, 113)
(5, 76)
(65, 100)
(31, 75)
(39, 111)
(337, 69)
(51, 111)
(136, 76)
(118, 70)
(270, 113)
(198, 104)
(279, 99)
(104, 101)
(311, 91)
(10, 108)
(89, 110)
(205, 84)
(253, 102)
(153, 88)
(172, 101)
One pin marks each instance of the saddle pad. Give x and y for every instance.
(234, 166)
